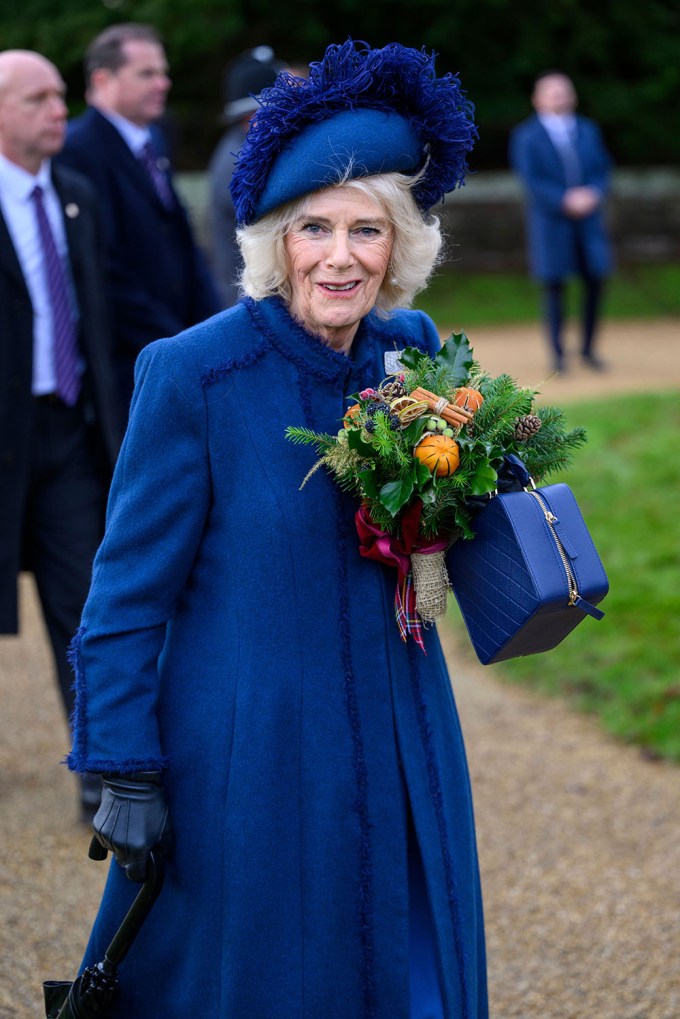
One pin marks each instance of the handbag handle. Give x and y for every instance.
(518, 469)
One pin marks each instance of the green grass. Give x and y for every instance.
(488, 299)
(625, 668)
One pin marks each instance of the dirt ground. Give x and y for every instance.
(579, 836)
(639, 356)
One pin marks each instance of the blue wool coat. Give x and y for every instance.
(235, 638)
(556, 243)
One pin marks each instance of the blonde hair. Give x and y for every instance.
(416, 244)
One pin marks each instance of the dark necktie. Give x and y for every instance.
(569, 156)
(149, 160)
(64, 345)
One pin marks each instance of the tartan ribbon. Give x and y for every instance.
(396, 551)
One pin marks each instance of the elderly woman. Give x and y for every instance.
(240, 677)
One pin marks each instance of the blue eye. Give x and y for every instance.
(311, 228)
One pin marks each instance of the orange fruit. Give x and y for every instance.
(439, 453)
(468, 399)
(351, 413)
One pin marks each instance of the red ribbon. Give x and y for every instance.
(396, 551)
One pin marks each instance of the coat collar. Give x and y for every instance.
(272, 317)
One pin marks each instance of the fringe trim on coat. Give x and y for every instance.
(79, 760)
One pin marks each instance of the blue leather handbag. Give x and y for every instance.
(530, 574)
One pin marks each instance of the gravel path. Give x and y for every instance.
(579, 836)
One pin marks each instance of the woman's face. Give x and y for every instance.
(338, 254)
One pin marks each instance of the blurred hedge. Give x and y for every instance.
(621, 54)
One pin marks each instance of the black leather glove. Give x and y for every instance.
(132, 819)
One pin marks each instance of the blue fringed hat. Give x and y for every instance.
(362, 111)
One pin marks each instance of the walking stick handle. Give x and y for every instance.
(97, 851)
(138, 911)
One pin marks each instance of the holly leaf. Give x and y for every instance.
(396, 494)
(483, 480)
(463, 521)
(411, 357)
(456, 356)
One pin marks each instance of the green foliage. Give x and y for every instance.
(626, 667)
(306, 437)
(449, 370)
(552, 448)
(504, 401)
(375, 455)
(504, 298)
(622, 55)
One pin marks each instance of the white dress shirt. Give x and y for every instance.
(134, 136)
(18, 209)
(561, 128)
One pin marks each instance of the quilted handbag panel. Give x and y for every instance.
(510, 581)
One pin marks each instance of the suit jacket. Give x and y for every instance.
(86, 254)
(158, 279)
(558, 245)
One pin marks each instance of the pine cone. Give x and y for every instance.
(526, 426)
(392, 390)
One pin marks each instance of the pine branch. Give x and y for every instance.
(307, 437)
(552, 447)
(504, 401)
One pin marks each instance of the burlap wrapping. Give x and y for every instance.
(431, 582)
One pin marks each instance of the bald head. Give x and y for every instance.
(32, 108)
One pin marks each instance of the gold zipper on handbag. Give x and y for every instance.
(551, 521)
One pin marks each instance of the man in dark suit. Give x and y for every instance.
(59, 432)
(159, 280)
(565, 168)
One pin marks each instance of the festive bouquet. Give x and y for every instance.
(422, 451)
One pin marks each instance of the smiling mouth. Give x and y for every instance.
(340, 287)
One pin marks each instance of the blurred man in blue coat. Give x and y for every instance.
(565, 168)
(159, 281)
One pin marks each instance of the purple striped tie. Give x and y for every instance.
(149, 161)
(63, 327)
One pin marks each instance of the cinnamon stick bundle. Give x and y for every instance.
(453, 415)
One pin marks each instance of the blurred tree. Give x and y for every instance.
(621, 54)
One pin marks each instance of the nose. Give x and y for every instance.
(59, 107)
(339, 254)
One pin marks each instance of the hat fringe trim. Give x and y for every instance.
(394, 78)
